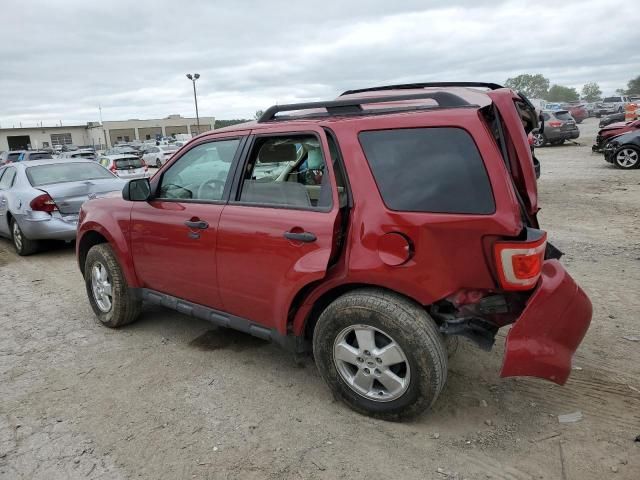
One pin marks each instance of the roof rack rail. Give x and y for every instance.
(407, 86)
(354, 105)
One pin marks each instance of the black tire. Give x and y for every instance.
(412, 329)
(557, 142)
(633, 155)
(539, 140)
(158, 163)
(23, 245)
(124, 306)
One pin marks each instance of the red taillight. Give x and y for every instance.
(519, 264)
(43, 203)
(555, 124)
(113, 167)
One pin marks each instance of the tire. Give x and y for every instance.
(539, 140)
(158, 163)
(124, 307)
(23, 245)
(381, 316)
(627, 157)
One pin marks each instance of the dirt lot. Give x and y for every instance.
(171, 397)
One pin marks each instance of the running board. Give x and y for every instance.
(221, 319)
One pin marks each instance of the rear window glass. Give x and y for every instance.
(428, 170)
(128, 163)
(563, 116)
(83, 155)
(65, 172)
(13, 156)
(612, 100)
(40, 156)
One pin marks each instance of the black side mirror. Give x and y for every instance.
(138, 190)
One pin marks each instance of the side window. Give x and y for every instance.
(7, 178)
(288, 170)
(436, 170)
(201, 173)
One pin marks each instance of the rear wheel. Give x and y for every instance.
(380, 353)
(109, 295)
(23, 245)
(539, 139)
(627, 157)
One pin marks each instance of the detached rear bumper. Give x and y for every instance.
(543, 340)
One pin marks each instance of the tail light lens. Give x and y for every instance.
(113, 167)
(555, 124)
(43, 203)
(519, 263)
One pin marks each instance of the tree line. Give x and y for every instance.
(538, 86)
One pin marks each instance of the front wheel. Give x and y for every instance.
(627, 157)
(380, 353)
(109, 295)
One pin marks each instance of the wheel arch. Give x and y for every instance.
(88, 240)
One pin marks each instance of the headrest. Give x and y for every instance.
(277, 152)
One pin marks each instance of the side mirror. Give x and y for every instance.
(138, 190)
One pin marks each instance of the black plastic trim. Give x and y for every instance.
(219, 318)
(409, 86)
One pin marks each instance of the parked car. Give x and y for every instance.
(158, 155)
(590, 108)
(86, 154)
(609, 119)
(578, 112)
(40, 199)
(559, 126)
(125, 165)
(382, 239)
(27, 155)
(124, 150)
(10, 156)
(613, 130)
(553, 106)
(611, 105)
(624, 150)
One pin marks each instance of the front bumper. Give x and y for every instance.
(543, 340)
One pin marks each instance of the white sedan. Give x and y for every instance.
(158, 155)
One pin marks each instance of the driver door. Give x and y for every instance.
(174, 235)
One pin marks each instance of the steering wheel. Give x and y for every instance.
(216, 186)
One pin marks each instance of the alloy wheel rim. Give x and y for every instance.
(101, 287)
(17, 236)
(627, 157)
(371, 363)
(538, 140)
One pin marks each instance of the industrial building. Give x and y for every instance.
(102, 135)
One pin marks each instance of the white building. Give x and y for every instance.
(101, 136)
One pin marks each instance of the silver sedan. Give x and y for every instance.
(41, 199)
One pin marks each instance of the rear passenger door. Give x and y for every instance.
(276, 235)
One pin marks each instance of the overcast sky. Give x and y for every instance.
(61, 59)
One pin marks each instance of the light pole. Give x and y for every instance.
(193, 79)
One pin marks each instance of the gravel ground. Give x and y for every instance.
(172, 397)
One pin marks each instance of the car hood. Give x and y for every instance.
(70, 196)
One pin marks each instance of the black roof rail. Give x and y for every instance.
(407, 86)
(354, 105)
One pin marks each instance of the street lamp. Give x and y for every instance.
(193, 79)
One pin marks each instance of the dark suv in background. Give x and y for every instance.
(558, 126)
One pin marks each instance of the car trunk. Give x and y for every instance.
(70, 196)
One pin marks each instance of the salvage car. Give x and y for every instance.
(611, 105)
(577, 111)
(403, 217)
(158, 155)
(624, 150)
(40, 199)
(125, 166)
(559, 126)
(613, 118)
(613, 130)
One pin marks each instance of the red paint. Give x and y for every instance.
(615, 129)
(545, 337)
(242, 263)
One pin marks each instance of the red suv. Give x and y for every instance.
(371, 230)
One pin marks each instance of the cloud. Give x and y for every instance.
(62, 59)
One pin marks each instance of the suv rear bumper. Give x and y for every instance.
(543, 340)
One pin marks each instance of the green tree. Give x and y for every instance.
(591, 92)
(533, 86)
(559, 93)
(633, 87)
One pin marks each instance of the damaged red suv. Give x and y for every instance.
(371, 230)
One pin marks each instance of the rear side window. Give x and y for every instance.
(436, 170)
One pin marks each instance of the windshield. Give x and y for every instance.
(65, 172)
(40, 156)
